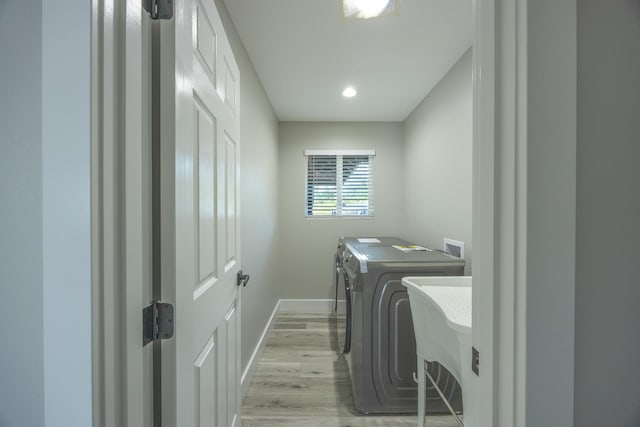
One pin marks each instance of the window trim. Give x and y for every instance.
(339, 184)
(339, 152)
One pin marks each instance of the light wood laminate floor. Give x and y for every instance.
(302, 381)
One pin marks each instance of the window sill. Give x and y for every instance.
(334, 217)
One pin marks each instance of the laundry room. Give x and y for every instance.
(406, 151)
(421, 184)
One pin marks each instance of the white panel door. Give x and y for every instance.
(200, 235)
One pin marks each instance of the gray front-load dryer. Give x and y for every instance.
(376, 329)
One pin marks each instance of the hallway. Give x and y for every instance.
(301, 381)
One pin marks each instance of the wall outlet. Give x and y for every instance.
(454, 247)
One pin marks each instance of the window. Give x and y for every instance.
(339, 183)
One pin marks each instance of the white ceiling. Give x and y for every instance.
(305, 53)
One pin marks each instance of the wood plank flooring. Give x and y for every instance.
(302, 381)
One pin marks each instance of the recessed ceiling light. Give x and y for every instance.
(349, 92)
(365, 9)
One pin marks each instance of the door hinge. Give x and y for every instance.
(157, 322)
(475, 361)
(159, 9)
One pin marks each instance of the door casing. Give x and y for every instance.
(518, 289)
(121, 247)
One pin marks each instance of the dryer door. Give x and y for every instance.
(343, 310)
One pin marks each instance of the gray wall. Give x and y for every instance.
(437, 162)
(308, 245)
(550, 211)
(259, 196)
(45, 362)
(66, 175)
(22, 354)
(607, 374)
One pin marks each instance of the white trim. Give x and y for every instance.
(306, 305)
(135, 269)
(117, 251)
(335, 217)
(252, 365)
(109, 392)
(339, 152)
(484, 43)
(509, 199)
(499, 211)
(311, 181)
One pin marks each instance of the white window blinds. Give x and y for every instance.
(339, 183)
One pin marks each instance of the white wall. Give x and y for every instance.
(437, 162)
(22, 354)
(607, 373)
(308, 245)
(259, 196)
(45, 362)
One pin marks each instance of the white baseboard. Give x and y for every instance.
(306, 305)
(247, 375)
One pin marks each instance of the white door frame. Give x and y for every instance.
(483, 211)
(117, 214)
(494, 196)
(511, 39)
(500, 133)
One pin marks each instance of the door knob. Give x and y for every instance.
(243, 279)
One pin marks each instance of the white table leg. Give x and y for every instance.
(421, 392)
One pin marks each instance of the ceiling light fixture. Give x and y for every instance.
(349, 92)
(365, 9)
